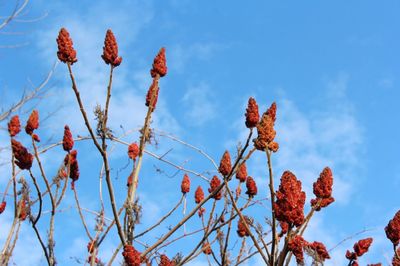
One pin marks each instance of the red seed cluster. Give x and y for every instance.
(198, 195)
(33, 122)
(165, 261)
(185, 185)
(206, 248)
(225, 165)
(251, 187)
(23, 209)
(14, 126)
(3, 206)
(252, 115)
(214, 184)
(265, 129)
(22, 157)
(320, 250)
(323, 190)
(393, 229)
(159, 64)
(290, 199)
(362, 246)
(133, 151)
(273, 146)
(66, 53)
(74, 167)
(241, 228)
(241, 173)
(152, 95)
(68, 140)
(131, 256)
(110, 50)
(296, 245)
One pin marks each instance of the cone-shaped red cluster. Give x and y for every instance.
(198, 195)
(320, 250)
(22, 157)
(131, 256)
(152, 95)
(360, 248)
(3, 206)
(33, 122)
(251, 187)
(296, 245)
(265, 129)
(165, 261)
(214, 184)
(241, 173)
(241, 228)
(185, 185)
(206, 248)
(74, 167)
(225, 165)
(110, 50)
(393, 229)
(252, 115)
(159, 64)
(68, 140)
(133, 151)
(14, 126)
(323, 190)
(66, 53)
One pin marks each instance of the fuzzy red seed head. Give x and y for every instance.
(3, 206)
(66, 53)
(152, 95)
(214, 184)
(131, 256)
(251, 187)
(320, 250)
(265, 129)
(362, 246)
(23, 209)
(241, 227)
(296, 245)
(14, 126)
(74, 167)
(273, 146)
(351, 255)
(225, 165)
(133, 151)
(165, 261)
(22, 157)
(33, 122)
(185, 185)
(110, 50)
(393, 229)
(199, 195)
(241, 173)
(68, 140)
(252, 115)
(206, 248)
(159, 64)
(323, 186)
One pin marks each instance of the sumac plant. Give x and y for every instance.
(220, 205)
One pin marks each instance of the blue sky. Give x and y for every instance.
(331, 66)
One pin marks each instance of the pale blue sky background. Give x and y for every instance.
(331, 66)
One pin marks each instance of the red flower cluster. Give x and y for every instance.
(323, 190)
(165, 261)
(393, 229)
(252, 115)
(241, 228)
(68, 140)
(296, 245)
(360, 248)
(159, 64)
(290, 199)
(265, 129)
(14, 126)
(215, 182)
(74, 167)
(3, 206)
(225, 166)
(241, 173)
(22, 157)
(199, 195)
(154, 89)
(66, 53)
(251, 187)
(131, 256)
(133, 151)
(110, 50)
(23, 209)
(206, 248)
(33, 122)
(320, 250)
(185, 185)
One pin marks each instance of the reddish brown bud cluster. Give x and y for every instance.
(198, 195)
(251, 187)
(206, 248)
(241, 228)
(296, 245)
(133, 151)
(319, 250)
(131, 256)
(290, 199)
(22, 157)
(33, 122)
(23, 209)
(252, 115)
(323, 190)
(396, 259)
(110, 50)
(266, 131)
(66, 53)
(185, 185)
(393, 229)
(152, 95)
(241, 173)
(159, 64)
(165, 261)
(225, 165)
(360, 248)
(14, 126)
(68, 140)
(214, 184)
(3, 206)
(74, 167)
